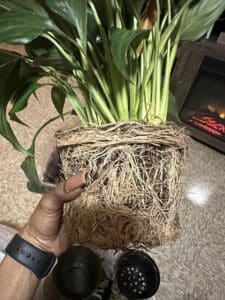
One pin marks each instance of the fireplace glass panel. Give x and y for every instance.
(204, 107)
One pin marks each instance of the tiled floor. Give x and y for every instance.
(194, 266)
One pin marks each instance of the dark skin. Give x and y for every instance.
(45, 230)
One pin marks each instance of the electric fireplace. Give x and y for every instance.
(199, 86)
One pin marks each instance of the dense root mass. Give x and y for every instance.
(134, 189)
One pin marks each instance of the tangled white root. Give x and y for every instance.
(134, 188)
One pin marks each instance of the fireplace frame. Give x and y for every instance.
(189, 60)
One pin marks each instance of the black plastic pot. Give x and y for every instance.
(78, 272)
(137, 275)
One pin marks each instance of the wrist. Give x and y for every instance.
(37, 260)
(27, 236)
(54, 243)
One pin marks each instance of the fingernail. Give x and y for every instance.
(75, 181)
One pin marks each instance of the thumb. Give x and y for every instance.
(64, 191)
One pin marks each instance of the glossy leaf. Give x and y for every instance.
(28, 74)
(53, 58)
(26, 5)
(9, 76)
(200, 17)
(7, 57)
(7, 5)
(121, 41)
(21, 22)
(29, 168)
(45, 53)
(22, 84)
(176, 5)
(58, 98)
(75, 12)
(105, 12)
(39, 46)
(135, 6)
(22, 102)
(92, 27)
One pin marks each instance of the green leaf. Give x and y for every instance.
(177, 5)
(172, 108)
(120, 41)
(21, 23)
(27, 75)
(9, 77)
(6, 5)
(27, 5)
(6, 131)
(132, 12)
(21, 103)
(53, 58)
(105, 13)
(39, 46)
(134, 7)
(58, 98)
(7, 57)
(75, 12)
(92, 27)
(200, 17)
(29, 167)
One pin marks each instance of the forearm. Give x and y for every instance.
(16, 281)
(44, 236)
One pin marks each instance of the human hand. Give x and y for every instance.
(45, 226)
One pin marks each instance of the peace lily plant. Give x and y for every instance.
(120, 53)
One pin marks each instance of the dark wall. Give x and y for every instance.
(219, 25)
